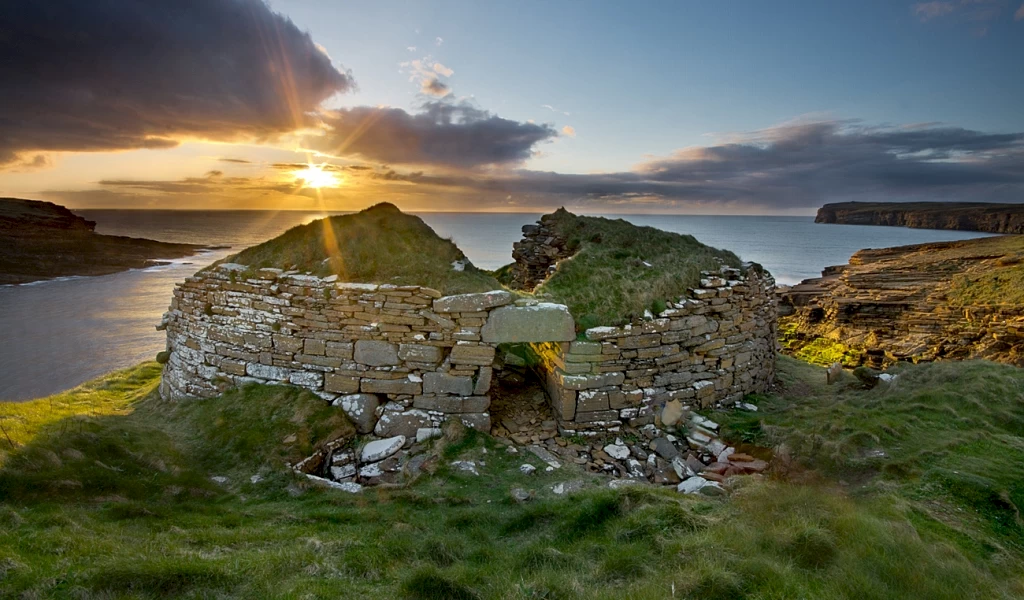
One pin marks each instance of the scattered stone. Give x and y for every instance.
(527, 469)
(545, 456)
(378, 450)
(664, 448)
(520, 495)
(617, 452)
(672, 413)
(467, 466)
(833, 373)
(345, 486)
(567, 487)
(255, 479)
(426, 433)
(692, 485)
(620, 483)
(219, 479)
(343, 472)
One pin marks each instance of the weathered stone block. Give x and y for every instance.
(391, 386)
(453, 404)
(401, 423)
(341, 384)
(376, 353)
(472, 302)
(443, 383)
(592, 400)
(468, 353)
(588, 382)
(542, 322)
(483, 381)
(306, 379)
(266, 372)
(361, 410)
(317, 347)
(585, 347)
(419, 353)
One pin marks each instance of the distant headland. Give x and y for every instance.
(964, 216)
(41, 240)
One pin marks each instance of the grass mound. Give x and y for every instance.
(949, 436)
(619, 270)
(456, 535)
(378, 245)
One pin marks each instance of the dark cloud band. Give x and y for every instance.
(453, 134)
(119, 74)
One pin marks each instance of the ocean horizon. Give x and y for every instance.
(69, 330)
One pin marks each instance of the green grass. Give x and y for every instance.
(606, 281)
(378, 245)
(157, 527)
(947, 438)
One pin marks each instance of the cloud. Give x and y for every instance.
(443, 70)
(970, 11)
(794, 165)
(434, 87)
(927, 11)
(438, 41)
(240, 161)
(569, 130)
(443, 133)
(1019, 15)
(437, 156)
(553, 109)
(411, 48)
(119, 74)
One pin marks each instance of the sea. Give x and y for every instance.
(57, 334)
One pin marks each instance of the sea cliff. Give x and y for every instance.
(964, 216)
(42, 240)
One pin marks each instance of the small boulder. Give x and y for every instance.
(672, 413)
(520, 495)
(361, 409)
(378, 450)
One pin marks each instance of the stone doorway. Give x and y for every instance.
(520, 407)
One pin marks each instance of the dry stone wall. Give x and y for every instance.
(397, 359)
(714, 346)
(400, 360)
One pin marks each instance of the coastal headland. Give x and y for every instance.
(962, 216)
(41, 240)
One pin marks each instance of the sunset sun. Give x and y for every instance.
(314, 176)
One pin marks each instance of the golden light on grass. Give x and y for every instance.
(316, 177)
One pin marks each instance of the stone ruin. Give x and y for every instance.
(401, 360)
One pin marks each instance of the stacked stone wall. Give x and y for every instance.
(396, 358)
(714, 346)
(402, 359)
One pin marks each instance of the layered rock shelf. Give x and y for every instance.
(965, 216)
(954, 300)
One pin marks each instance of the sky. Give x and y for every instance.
(602, 107)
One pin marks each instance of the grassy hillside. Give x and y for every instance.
(105, 492)
(619, 270)
(378, 245)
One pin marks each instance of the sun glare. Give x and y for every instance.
(314, 176)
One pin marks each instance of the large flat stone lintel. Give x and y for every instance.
(543, 322)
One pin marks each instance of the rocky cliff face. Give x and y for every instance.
(964, 216)
(42, 240)
(952, 300)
